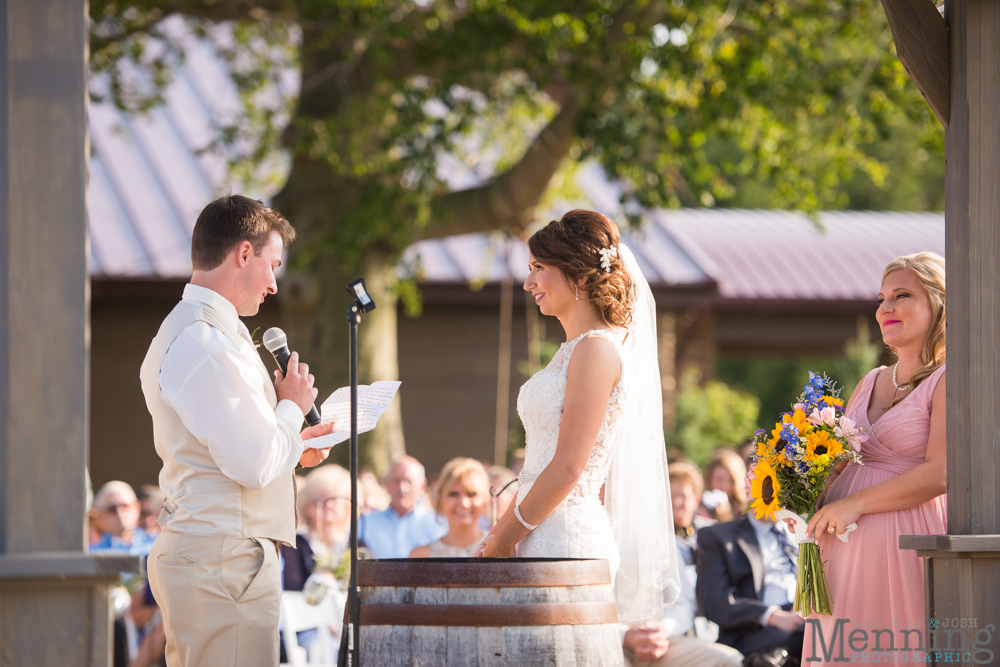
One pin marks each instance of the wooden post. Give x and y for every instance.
(54, 605)
(921, 38)
(666, 331)
(503, 358)
(964, 567)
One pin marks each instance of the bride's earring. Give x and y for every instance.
(577, 292)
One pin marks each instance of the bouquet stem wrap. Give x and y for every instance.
(812, 592)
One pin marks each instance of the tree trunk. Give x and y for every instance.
(312, 295)
(314, 303)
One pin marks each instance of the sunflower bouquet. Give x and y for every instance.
(790, 471)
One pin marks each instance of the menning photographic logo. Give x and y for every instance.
(946, 640)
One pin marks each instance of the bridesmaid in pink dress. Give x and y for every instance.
(899, 489)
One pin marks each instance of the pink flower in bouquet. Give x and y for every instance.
(848, 428)
(799, 406)
(749, 482)
(827, 415)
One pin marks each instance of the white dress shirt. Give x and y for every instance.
(213, 382)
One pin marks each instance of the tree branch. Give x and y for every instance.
(508, 200)
(219, 10)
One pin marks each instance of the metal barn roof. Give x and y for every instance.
(779, 255)
(151, 174)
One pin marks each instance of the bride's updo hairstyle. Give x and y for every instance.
(573, 245)
(929, 269)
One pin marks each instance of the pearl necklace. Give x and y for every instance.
(905, 387)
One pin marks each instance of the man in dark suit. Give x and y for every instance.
(746, 583)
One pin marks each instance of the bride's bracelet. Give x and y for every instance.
(517, 513)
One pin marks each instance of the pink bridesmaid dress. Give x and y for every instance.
(873, 582)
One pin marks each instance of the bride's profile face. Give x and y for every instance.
(549, 286)
(904, 313)
(462, 506)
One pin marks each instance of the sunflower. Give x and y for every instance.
(765, 452)
(835, 402)
(819, 442)
(765, 490)
(777, 443)
(799, 419)
(775, 449)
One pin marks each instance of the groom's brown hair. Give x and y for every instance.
(230, 220)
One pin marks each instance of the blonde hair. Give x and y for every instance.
(732, 463)
(324, 477)
(469, 473)
(929, 269)
(685, 472)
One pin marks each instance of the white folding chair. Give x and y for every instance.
(298, 615)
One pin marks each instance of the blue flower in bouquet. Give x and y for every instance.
(812, 398)
(816, 381)
(802, 467)
(790, 451)
(790, 433)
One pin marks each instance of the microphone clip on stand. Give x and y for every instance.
(362, 303)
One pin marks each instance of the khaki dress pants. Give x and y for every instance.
(691, 652)
(220, 597)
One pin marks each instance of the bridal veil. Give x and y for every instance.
(637, 491)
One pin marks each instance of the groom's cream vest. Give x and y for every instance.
(208, 502)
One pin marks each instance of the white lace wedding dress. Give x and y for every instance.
(580, 526)
(634, 528)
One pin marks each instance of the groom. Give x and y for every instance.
(229, 441)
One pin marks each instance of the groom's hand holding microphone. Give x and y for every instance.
(296, 385)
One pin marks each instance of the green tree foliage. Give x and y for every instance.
(680, 101)
(711, 415)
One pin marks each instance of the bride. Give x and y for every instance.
(594, 482)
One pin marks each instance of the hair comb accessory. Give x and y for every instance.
(606, 255)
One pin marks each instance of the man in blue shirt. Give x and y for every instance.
(117, 511)
(407, 523)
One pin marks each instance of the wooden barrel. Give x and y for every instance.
(488, 611)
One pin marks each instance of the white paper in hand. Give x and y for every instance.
(373, 400)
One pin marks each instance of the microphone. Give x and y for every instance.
(277, 344)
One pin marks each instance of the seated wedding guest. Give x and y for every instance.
(671, 641)
(150, 499)
(746, 583)
(324, 505)
(502, 491)
(118, 511)
(138, 635)
(463, 494)
(724, 498)
(375, 495)
(406, 523)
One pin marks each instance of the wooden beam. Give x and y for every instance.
(922, 44)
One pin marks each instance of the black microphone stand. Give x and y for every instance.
(350, 641)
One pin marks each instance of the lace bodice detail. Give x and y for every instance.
(540, 405)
